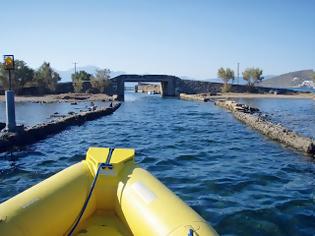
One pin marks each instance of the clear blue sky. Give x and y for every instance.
(192, 38)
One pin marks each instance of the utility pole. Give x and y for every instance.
(238, 73)
(75, 67)
(10, 80)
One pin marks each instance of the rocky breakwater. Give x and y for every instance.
(202, 97)
(259, 121)
(30, 135)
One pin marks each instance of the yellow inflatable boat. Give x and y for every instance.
(106, 194)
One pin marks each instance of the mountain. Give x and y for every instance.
(240, 81)
(66, 74)
(215, 80)
(297, 79)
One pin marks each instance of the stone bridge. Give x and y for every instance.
(168, 83)
(173, 86)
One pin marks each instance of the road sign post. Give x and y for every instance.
(9, 95)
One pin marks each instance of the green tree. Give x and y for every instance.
(226, 75)
(21, 75)
(101, 80)
(3, 77)
(46, 78)
(78, 80)
(253, 76)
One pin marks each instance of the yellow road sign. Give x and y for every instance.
(9, 62)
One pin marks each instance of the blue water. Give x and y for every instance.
(238, 180)
(295, 114)
(30, 114)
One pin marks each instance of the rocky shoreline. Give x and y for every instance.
(202, 97)
(64, 97)
(30, 135)
(206, 97)
(256, 120)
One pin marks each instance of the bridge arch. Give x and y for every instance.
(168, 83)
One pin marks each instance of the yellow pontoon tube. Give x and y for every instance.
(106, 194)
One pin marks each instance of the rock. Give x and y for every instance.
(2, 125)
(204, 97)
(276, 132)
(37, 132)
(73, 103)
(82, 98)
(56, 115)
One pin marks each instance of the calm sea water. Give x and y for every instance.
(296, 114)
(30, 114)
(238, 180)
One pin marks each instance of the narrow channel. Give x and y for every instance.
(238, 180)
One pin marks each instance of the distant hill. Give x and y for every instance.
(236, 81)
(297, 79)
(66, 74)
(215, 80)
(240, 81)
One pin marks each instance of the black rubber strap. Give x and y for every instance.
(103, 166)
(109, 156)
